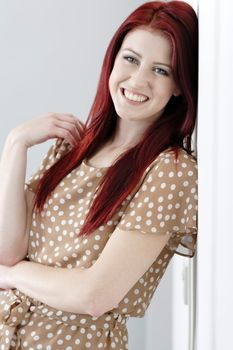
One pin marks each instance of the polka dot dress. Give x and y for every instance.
(164, 201)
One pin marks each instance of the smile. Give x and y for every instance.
(133, 98)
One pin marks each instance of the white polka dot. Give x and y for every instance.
(160, 199)
(160, 174)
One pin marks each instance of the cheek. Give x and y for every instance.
(118, 73)
(111, 83)
(164, 90)
(114, 81)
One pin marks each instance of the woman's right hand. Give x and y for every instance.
(47, 126)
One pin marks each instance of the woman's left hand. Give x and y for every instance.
(5, 282)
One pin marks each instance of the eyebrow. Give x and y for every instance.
(163, 64)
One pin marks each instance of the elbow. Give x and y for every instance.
(91, 309)
(11, 258)
(100, 303)
(93, 305)
(101, 299)
(8, 260)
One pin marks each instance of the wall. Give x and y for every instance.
(215, 129)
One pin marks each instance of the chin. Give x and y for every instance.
(130, 117)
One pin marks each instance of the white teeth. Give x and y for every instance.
(133, 97)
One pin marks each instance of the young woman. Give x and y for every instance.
(112, 201)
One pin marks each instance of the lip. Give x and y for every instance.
(135, 103)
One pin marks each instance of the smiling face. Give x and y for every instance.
(141, 83)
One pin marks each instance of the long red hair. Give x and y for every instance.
(173, 129)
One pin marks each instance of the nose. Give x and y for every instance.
(139, 78)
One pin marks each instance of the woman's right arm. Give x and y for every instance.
(15, 201)
(13, 209)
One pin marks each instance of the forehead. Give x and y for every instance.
(148, 42)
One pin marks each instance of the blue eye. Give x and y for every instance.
(162, 71)
(130, 59)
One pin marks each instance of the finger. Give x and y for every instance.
(72, 127)
(65, 117)
(80, 127)
(80, 123)
(71, 119)
(79, 134)
(76, 119)
(67, 135)
(81, 131)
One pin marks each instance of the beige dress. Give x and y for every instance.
(163, 201)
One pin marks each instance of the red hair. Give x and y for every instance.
(173, 129)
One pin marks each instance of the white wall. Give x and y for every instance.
(215, 130)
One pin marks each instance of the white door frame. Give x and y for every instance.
(215, 134)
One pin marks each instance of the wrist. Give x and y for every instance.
(14, 272)
(11, 277)
(15, 138)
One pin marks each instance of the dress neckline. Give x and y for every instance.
(91, 166)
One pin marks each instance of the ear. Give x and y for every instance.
(177, 92)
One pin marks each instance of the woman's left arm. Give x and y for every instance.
(61, 288)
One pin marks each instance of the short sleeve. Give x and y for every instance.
(59, 148)
(166, 203)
